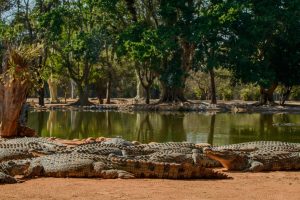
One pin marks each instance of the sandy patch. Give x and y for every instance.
(274, 185)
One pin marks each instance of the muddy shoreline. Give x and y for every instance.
(130, 105)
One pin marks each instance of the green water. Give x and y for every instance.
(218, 129)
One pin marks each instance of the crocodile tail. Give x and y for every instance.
(145, 169)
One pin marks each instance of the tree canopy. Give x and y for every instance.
(95, 42)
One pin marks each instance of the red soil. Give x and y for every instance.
(273, 185)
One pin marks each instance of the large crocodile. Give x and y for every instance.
(258, 145)
(157, 152)
(169, 145)
(90, 165)
(21, 148)
(133, 150)
(266, 158)
(183, 155)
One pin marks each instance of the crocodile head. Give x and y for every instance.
(232, 160)
(17, 167)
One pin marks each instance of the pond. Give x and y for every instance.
(217, 129)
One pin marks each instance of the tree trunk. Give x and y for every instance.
(210, 138)
(285, 95)
(175, 92)
(53, 90)
(147, 90)
(171, 94)
(267, 94)
(83, 96)
(13, 93)
(139, 87)
(65, 92)
(108, 91)
(12, 96)
(73, 85)
(213, 87)
(41, 93)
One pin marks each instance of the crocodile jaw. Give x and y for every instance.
(229, 159)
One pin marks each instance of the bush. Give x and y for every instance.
(226, 94)
(250, 93)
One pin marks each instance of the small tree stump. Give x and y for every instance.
(14, 86)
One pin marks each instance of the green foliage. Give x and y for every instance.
(295, 94)
(226, 93)
(263, 45)
(101, 40)
(250, 92)
(21, 65)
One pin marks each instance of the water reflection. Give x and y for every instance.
(210, 138)
(144, 128)
(224, 128)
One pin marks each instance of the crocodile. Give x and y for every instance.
(255, 161)
(159, 152)
(169, 145)
(21, 148)
(30, 140)
(183, 155)
(90, 165)
(11, 168)
(100, 148)
(258, 145)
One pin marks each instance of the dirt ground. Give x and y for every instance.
(273, 185)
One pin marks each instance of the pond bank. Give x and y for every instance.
(272, 185)
(130, 105)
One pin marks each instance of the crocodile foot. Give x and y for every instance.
(114, 173)
(4, 178)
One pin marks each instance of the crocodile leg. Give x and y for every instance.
(255, 166)
(114, 173)
(4, 178)
(35, 169)
(101, 170)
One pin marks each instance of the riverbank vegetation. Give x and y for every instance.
(163, 49)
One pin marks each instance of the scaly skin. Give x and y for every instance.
(258, 145)
(88, 165)
(11, 168)
(12, 151)
(169, 152)
(4, 178)
(255, 161)
(73, 165)
(169, 145)
(98, 148)
(144, 169)
(181, 156)
(26, 140)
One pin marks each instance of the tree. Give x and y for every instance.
(166, 29)
(263, 42)
(17, 73)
